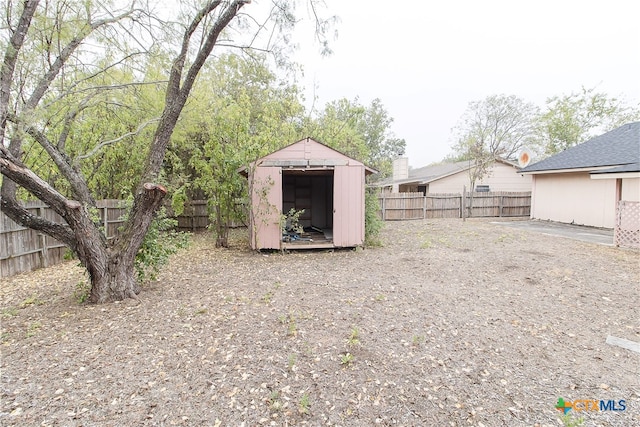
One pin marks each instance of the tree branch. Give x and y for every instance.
(22, 216)
(19, 174)
(120, 138)
(77, 182)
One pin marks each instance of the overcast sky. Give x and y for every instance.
(427, 60)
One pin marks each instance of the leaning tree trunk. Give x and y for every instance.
(111, 265)
(112, 271)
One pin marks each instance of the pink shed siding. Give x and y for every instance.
(342, 176)
(308, 149)
(266, 201)
(348, 205)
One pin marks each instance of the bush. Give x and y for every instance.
(159, 244)
(372, 221)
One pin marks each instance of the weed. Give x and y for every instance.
(380, 297)
(569, 421)
(292, 360)
(293, 328)
(201, 311)
(290, 321)
(426, 244)
(4, 337)
(417, 340)
(32, 300)
(354, 338)
(503, 237)
(9, 312)
(266, 298)
(81, 292)
(304, 404)
(182, 311)
(33, 328)
(346, 359)
(275, 404)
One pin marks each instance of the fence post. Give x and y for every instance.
(105, 221)
(44, 262)
(424, 206)
(462, 202)
(500, 204)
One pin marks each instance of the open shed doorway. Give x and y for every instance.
(310, 190)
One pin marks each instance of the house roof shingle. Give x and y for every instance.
(617, 148)
(427, 174)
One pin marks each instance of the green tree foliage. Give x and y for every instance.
(241, 112)
(572, 119)
(90, 96)
(361, 132)
(498, 126)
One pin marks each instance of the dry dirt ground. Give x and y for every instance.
(448, 323)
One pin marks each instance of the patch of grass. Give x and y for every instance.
(304, 404)
(82, 291)
(292, 330)
(426, 244)
(417, 340)
(32, 300)
(290, 321)
(266, 298)
(33, 329)
(292, 361)
(201, 311)
(380, 297)
(346, 359)
(275, 404)
(568, 421)
(182, 311)
(354, 337)
(9, 312)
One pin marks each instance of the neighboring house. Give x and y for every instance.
(583, 184)
(453, 177)
(307, 175)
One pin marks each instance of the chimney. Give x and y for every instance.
(401, 168)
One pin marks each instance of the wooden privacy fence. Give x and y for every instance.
(401, 206)
(23, 249)
(627, 230)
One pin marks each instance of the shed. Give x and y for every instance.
(307, 175)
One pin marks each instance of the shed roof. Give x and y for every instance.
(619, 148)
(308, 153)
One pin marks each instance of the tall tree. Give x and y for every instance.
(572, 119)
(359, 131)
(50, 61)
(498, 126)
(252, 114)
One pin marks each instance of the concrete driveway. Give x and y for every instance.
(576, 232)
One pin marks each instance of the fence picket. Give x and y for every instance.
(23, 249)
(400, 206)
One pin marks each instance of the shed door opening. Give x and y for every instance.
(311, 190)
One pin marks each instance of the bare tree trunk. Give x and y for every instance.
(111, 265)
